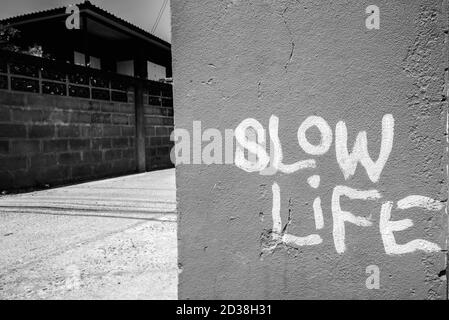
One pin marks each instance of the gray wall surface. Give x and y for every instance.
(235, 60)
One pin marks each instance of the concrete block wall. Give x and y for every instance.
(50, 140)
(254, 59)
(159, 123)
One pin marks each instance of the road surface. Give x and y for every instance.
(108, 239)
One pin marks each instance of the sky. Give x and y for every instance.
(142, 13)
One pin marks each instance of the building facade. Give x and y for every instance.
(82, 103)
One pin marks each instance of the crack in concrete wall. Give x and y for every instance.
(284, 19)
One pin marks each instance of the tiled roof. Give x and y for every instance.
(86, 5)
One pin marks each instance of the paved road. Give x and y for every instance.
(109, 239)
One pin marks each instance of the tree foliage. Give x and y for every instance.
(8, 38)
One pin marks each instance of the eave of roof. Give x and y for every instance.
(86, 6)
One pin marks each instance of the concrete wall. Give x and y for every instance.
(158, 127)
(235, 60)
(50, 140)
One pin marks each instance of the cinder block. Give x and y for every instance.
(102, 169)
(70, 131)
(55, 145)
(99, 117)
(92, 156)
(165, 140)
(121, 166)
(91, 131)
(25, 146)
(89, 105)
(131, 97)
(101, 143)
(110, 107)
(68, 103)
(80, 117)
(168, 112)
(155, 141)
(161, 131)
(112, 155)
(168, 121)
(5, 114)
(43, 160)
(127, 108)
(120, 143)
(57, 116)
(107, 118)
(120, 119)
(153, 121)
(129, 153)
(128, 131)
(23, 179)
(163, 151)
(132, 120)
(156, 111)
(41, 131)
(150, 131)
(13, 98)
(69, 158)
(132, 165)
(82, 171)
(6, 180)
(111, 131)
(79, 144)
(40, 100)
(26, 115)
(13, 163)
(53, 175)
(4, 147)
(152, 151)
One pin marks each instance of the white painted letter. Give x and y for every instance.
(326, 136)
(278, 233)
(340, 217)
(314, 182)
(276, 211)
(318, 213)
(277, 151)
(387, 227)
(415, 201)
(348, 162)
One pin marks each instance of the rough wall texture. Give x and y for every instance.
(252, 59)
